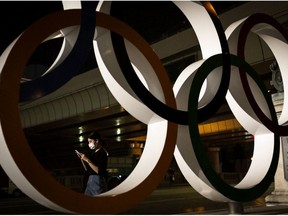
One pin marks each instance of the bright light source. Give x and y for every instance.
(80, 129)
(81, 139)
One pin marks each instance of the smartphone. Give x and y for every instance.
(77, 152)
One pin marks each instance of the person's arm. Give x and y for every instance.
(87, 160)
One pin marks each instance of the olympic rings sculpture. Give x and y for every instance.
(139, 82)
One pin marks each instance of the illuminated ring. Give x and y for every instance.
(143, 53)
(23, 168)
(276, 39)
(205, 112)
(154, 103)
(71, 65)
(261, 173)
(184, 153)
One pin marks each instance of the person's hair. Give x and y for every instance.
(95, 135)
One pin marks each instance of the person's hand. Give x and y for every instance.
(84, 157)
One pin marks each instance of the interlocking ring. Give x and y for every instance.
(201, 87)
(261, 173)
(276, 38)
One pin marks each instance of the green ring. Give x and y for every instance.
(236, 194)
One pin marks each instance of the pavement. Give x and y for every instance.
(163, 199)
(249, 210)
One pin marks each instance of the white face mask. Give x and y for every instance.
(92, 143)
(91, 146)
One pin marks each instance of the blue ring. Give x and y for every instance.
(71, 66)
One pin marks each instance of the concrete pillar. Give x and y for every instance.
(280, 193)
(214, 158)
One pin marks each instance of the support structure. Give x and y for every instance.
(280, 194)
